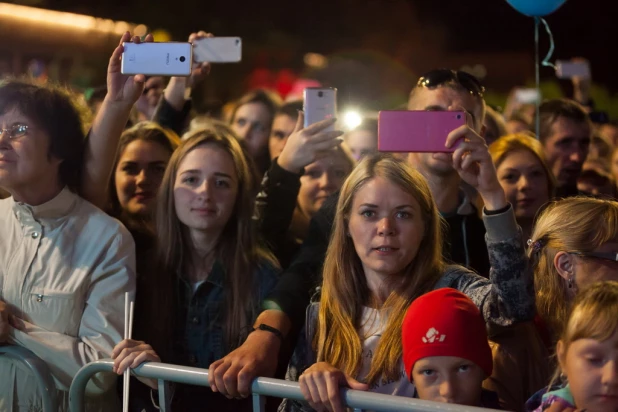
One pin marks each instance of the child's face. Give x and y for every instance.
(448, 379)
(591, 368)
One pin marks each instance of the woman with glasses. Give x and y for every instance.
(65, 265)
(574, 243)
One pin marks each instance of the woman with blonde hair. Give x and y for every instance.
(211, 273)
(574, 243)
(523, 173)
(385, 251)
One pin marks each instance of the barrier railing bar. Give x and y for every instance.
(40, 371)
(164, 398)
(260, 386)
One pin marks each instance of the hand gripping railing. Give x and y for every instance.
(40, 371)
(260, 388)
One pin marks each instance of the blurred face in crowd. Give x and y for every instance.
(566, 149)
(251, 123)
(138, 176)
(205, 189)
(361, 143)
(448, 379)
(591, 367)
(26, 165)
(322, 178)
(283, 126)
(525, 182)
(443, 98)
(386, 227)
(595, 183)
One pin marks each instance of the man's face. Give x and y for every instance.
(566, 149)
(443, 98)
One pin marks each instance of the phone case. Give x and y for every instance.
(417, 131)
(160, 59)
(319, 104)
(218, 50)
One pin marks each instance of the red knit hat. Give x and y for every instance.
(445, 322)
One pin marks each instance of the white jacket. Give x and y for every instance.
(64, 269)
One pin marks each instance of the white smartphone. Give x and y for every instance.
(217, 49)
(157, 59)
(319, 104)
(527, 96)
(566, 69)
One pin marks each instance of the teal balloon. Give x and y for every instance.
(536, 8)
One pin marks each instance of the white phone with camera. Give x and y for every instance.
(319, 104)
(157, 59)
(217, 50)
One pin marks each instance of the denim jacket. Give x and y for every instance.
(199, 332)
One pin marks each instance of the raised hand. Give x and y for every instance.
(305, 145)
(122, 89)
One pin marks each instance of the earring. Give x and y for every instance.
(570, 282)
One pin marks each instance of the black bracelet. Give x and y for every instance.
(270, 329)
(499, 211)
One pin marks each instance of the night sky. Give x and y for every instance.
(581, 27)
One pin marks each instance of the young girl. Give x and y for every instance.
(588, 355)
(211, 274)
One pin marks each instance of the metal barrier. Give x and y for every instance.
(260, 388)
(39, 370)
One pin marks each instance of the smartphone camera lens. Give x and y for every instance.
(458, 116)
(182, 59)
(320, 94)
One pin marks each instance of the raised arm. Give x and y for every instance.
(173, 109)
(102, 142)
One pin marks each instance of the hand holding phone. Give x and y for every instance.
(124, 89)
(417, 131)
(319, 104)
(157, 59)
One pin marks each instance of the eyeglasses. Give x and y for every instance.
(439, 77)
(611, 256)
(16, 131)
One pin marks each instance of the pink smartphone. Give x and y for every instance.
(417, 131)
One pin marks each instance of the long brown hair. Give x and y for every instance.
(345, 290)
(573, 224)
(237, 249)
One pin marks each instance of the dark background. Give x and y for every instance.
(379, 45)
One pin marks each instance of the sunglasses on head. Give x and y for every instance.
(439, 77)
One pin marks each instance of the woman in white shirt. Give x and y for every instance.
(64, 264)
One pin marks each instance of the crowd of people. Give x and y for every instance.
(254, 246)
